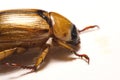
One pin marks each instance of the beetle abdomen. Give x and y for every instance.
(23, 28)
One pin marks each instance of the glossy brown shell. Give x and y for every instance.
(24, 28)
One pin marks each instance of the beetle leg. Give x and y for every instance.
(83, 56)
(65, 45)
(6, 53)
(86, 28)
(42, 56)
(39, 60)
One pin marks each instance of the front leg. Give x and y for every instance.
(82, 56)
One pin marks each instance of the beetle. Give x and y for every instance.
(27, 28)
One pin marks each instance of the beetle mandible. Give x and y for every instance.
(27, 28)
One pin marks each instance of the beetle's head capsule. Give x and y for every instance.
(63, 29)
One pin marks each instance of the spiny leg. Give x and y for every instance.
(36, 65)
(86, 28)
(40, 59)
(6, 53)
(83, 56)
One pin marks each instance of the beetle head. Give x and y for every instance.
(63, 29)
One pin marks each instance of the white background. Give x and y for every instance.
(102, 46)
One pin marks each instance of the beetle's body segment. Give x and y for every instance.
(22, 28)
(25, 28)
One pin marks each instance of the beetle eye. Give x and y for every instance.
(74, 33)
(74, 36)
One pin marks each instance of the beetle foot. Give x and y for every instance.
(83, 56)
(22, 66)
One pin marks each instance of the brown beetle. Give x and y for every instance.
(26, 28)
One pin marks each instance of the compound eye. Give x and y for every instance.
(74, 36)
